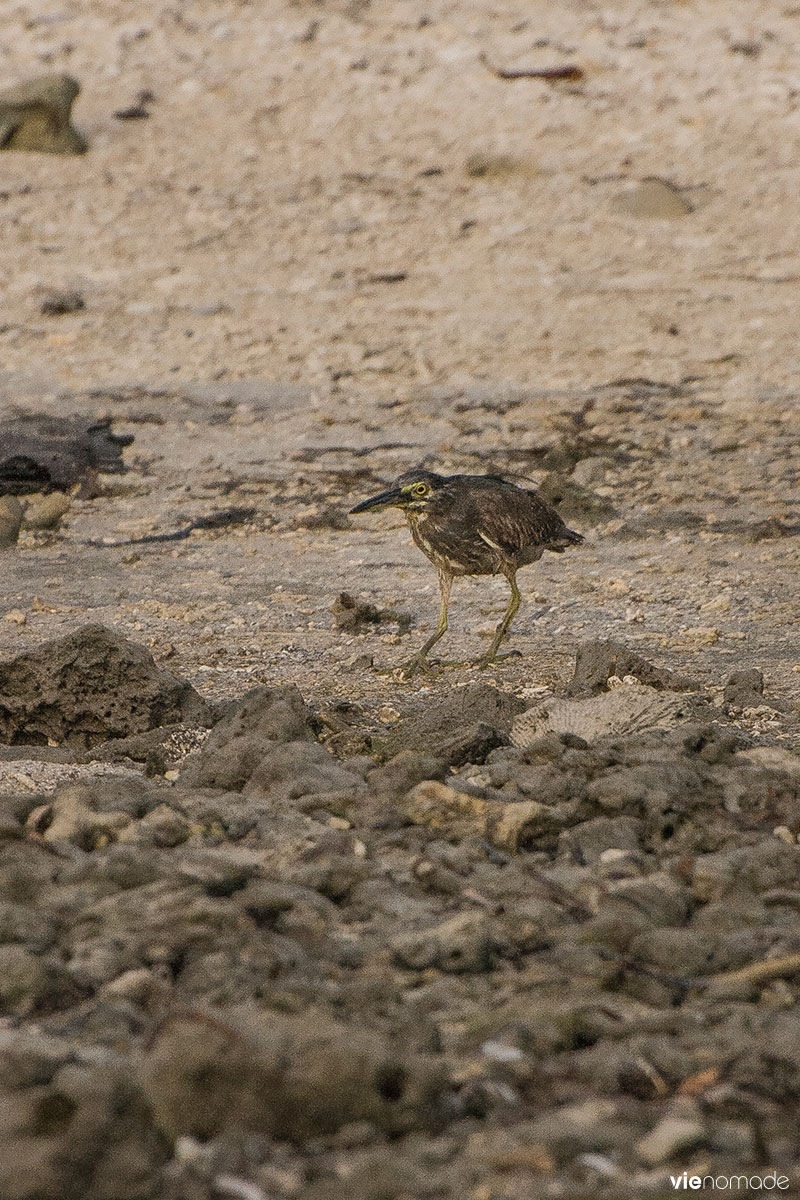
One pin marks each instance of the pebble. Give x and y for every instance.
(11, 514)
(45, 512)
(671, 1136)
(654, 198)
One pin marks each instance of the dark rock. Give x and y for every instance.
(772, 527)
(771, 863)
(596, 662)
(246, 732)
(54, 453)
(586, 841)
(403, 772)
(744, 689)
(36, 115)
(300, 771)
(355, 616)
(57, 303)
(571, 1129)
(90, 686)
(163, 923)
(32, 984)
(464, 725)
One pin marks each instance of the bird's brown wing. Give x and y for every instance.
(522, 526)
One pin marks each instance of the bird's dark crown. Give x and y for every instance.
(412, 490)
(417, 486)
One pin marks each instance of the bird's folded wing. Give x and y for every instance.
(534, 523)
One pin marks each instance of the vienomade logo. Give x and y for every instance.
(728, 1183)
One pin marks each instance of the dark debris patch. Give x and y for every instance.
(357, 616)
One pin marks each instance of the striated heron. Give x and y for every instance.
(473, 525)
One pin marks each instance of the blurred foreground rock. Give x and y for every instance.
(288, 1077)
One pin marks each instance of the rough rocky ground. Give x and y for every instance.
(341, 245)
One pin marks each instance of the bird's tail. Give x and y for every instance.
(566, 537)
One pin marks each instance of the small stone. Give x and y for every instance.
(744, 689)
(58, 303)
(45, 512)
(15, 616)
(36, 116)
(11, 514)
(589, 471)
(719, 604)
(671, 1136)
(489, 164)
(462, 944)
(698, 635)
(652, 197)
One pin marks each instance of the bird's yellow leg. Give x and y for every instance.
(502, 629)
(419, 663)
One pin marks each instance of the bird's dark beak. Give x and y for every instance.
(393, 497)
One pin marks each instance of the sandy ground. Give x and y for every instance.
(296, 152)
(341, 245)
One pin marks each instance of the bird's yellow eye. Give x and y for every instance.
(420, 489)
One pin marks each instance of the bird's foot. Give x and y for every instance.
(488, 660)
(418, 665)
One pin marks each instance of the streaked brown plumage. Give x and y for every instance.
(474, 525)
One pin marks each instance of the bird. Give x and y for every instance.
(473, 525)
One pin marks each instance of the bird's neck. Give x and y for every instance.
(415, 516)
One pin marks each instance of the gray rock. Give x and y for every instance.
(300, 771)
(74, 1124)
(247, 730)
(462, 944)
(595, 662)
(588, 840)
(90, 686)
(744, 689)
(463, 726)
(654, 198)
(30, 983)
(622, 710)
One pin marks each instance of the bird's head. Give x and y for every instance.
(411, 491)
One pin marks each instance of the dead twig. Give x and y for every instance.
(570, 72)
(759, 973)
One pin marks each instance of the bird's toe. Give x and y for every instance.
(489, 660)
(418, 665)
